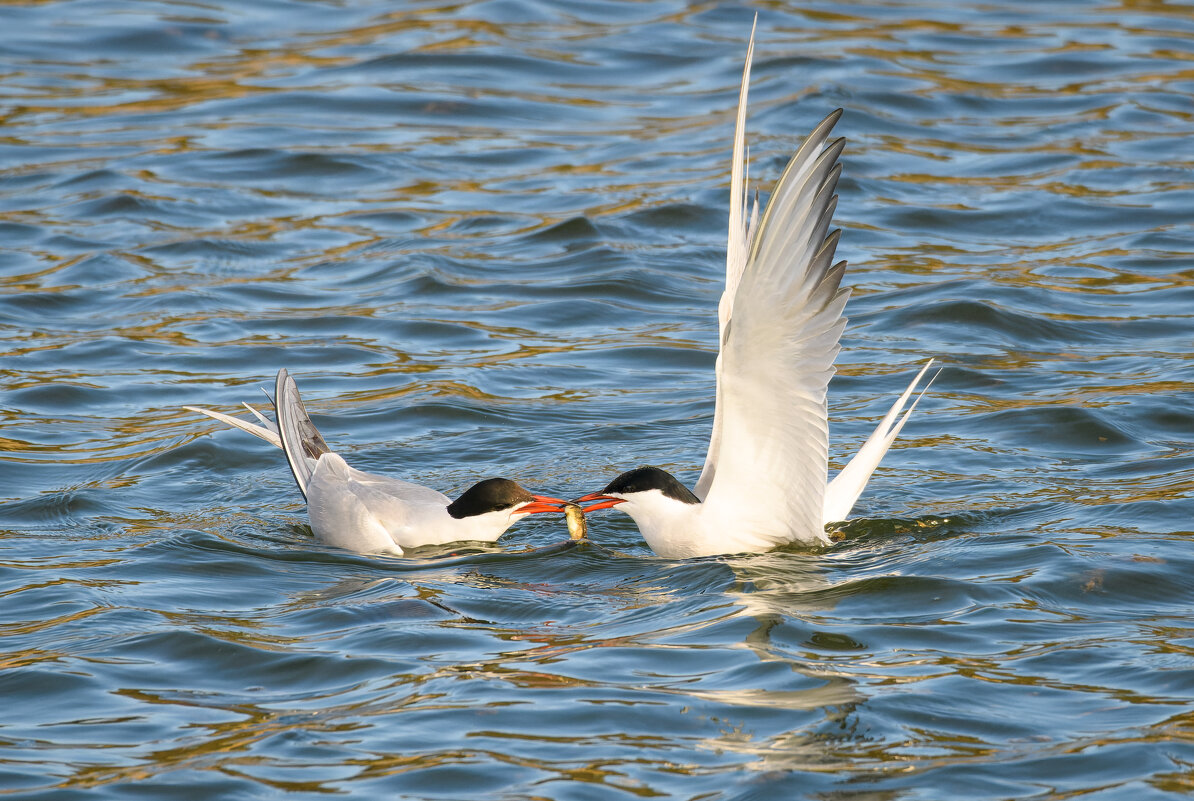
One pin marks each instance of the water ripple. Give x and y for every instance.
(487, 238)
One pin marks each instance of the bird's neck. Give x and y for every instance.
(485, 527)
(669, 526)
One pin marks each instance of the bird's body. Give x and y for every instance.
(360, 511)
(780, 319)
(677, 524)
(368, 513)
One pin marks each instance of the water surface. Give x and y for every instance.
(489, 239)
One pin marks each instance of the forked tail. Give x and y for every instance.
(294, 432)
(266, 430)
(847, 485)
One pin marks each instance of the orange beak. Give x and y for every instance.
(542, 503)
(606, 501)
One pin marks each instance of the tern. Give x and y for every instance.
(780, 320)
(367, 513)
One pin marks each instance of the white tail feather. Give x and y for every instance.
(269, 434)
(265, 421)
(843, 491)
(294, 432)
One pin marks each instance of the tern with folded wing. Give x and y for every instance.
(368, 513)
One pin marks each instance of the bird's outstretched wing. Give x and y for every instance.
(743, 236)
(781, 321)
(737, 250)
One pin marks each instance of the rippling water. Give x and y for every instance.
(488, 238)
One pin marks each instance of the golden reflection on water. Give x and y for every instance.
(842, 658)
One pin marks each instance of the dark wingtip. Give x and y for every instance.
(830, 120)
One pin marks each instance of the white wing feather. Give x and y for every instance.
(738, 241)
(794, 230)
(781, 321)
(737, 247)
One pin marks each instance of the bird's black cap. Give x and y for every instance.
(490, 495)
(642, 479)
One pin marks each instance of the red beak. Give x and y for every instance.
(606, 501)
(542, 503)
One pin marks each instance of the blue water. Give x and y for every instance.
(489, 239)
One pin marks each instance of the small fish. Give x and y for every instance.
(577, 527)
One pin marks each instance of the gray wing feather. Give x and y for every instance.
(770, 448)
(301, 441)
(791, 241)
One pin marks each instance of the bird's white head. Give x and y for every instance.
(653, 497)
